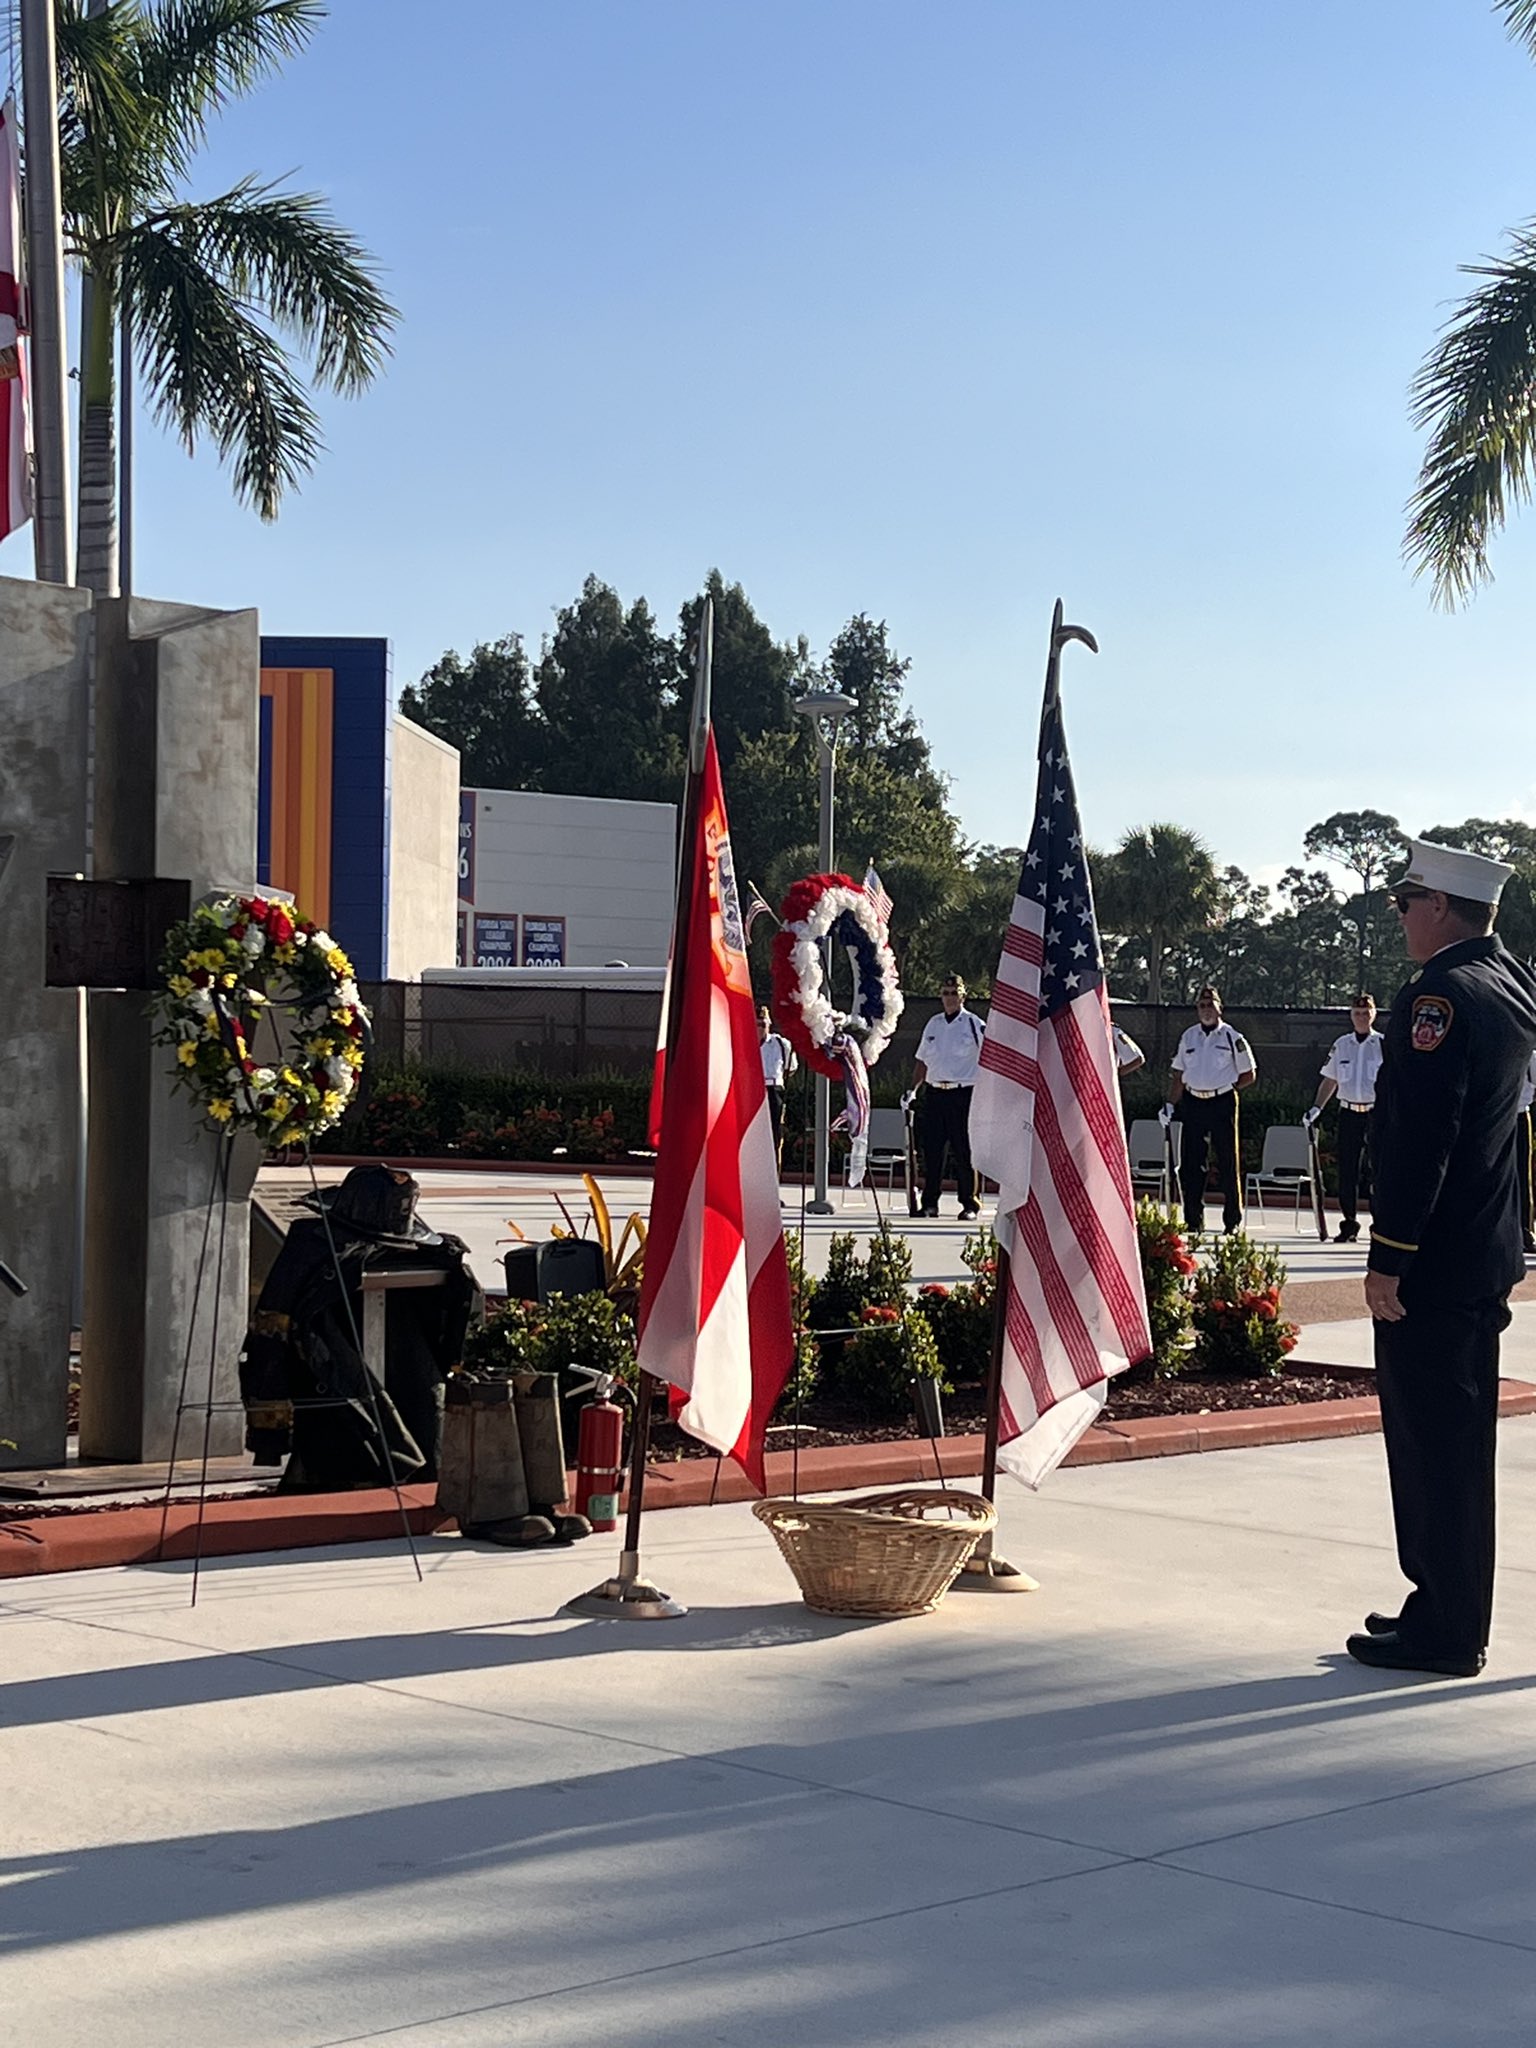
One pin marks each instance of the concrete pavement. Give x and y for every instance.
(1150, 1805)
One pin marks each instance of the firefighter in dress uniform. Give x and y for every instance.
(1350, 1072)
(1212, 1064)
(1445, 1250)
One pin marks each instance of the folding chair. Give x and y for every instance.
(1144, 1148)
(1285, 1165)
(887, 1148)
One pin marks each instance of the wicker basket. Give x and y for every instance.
(879, 1553)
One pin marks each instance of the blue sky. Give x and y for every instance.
(935, 313)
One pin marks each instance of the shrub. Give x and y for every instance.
(569, 1329)
(844, 1288)
(1167, 1270)
(889, 1269)
(1237, 1321)
(431, 1107)
(875, 1369)
(961, 1317)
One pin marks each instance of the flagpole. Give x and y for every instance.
(628, 1597)
(985, 1571)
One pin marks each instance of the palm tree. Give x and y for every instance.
(216, 291)
(1158, 888)
(1476, 397)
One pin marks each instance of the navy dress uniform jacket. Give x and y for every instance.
(1446, 1213)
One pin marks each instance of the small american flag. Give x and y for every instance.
(1045, 1125)
(879, 901)
(757, 906)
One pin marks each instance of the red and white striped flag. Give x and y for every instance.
(715, 1318)
(15, 443)
(1045, 1125)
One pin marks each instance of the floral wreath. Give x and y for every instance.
(835, 907)
(234, 959)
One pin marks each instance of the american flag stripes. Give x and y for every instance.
(15, 451)
(715, 1317)
(757, 906)
(1045, 1125)
(880, 903)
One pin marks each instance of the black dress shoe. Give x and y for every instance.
(969, 1215)
(1381, 1624)
(1390, 1653)
(1347, 1233)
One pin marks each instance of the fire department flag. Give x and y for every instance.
(15, 447)
(715, 1317)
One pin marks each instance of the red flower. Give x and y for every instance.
(280, 925)
(247, 1066)
(935, 1291)
(1184, 1263)
(238, 931)
(256, 909)
(199, 977)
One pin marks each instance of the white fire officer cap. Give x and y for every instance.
(1452, 872)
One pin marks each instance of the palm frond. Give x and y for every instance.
(1476, 397)
(285, 252)
(212, 368)
(1519, 21)
(193, 56)
(106, 130)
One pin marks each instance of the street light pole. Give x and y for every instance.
(825, 711)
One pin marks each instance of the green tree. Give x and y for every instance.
(1370, 844)
(220, 291)
(1155, 891)
(1473, 399)
(609, 673)
(753, 674)
(484, 707)
(1507, 839)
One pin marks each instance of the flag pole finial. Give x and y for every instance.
(1061, 636)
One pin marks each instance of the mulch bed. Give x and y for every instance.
(825, 1423)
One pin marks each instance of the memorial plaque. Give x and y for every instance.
(109, 934)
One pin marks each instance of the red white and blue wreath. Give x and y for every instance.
(835, 908)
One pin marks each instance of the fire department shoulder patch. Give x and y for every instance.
(1430, 1022)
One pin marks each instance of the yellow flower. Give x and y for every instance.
(221, 1112)
(339, 964)
(186, 1052)
(330, 1102)
(352, 1053)
(211, 1024)
(283, 954)
(342, 1017)
(292, 1078)
(179, 985)
(281, 1106)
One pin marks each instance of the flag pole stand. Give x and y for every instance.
(626, 1596)
(984, 1571)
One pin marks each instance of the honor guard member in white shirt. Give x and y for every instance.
(1212, 1063)
(1129, 1056)
(1350, 1071)
(778, 1065)
(1525, 1164)
(948, 1059)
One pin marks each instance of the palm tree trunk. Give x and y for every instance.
(97, 556)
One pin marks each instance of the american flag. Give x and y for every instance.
(1045, 1125)
(879, 901)
(15, 452)
(757, 906)
(714, 1304)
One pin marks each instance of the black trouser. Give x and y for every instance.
(776, 1122)
(1354, 1143)
(947, 1121)
(1437, 1373)
(1209, 1124)
(1523, 1173)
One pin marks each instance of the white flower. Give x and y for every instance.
(254, 944)
(324, 941)
(339, 1072)
(264, 1078)
(201, 1001)
(347, 995)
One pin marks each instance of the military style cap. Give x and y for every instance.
(1452, 872)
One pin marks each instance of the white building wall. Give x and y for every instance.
(423, 852)
(604, 865)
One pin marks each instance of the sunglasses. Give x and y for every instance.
(1403, 897)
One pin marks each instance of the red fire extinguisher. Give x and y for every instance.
(600, 1454)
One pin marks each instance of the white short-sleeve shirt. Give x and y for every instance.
(1354, 1063)
(1213, 1059)
(1127, 1051)
(950, 1047)
(778, 1060)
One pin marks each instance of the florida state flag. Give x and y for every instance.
(715, 1319)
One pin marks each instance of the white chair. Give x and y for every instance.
(887, 1148)
(1147, 1154)
(1286, 1164)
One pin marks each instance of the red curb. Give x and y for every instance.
(238, 1528)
